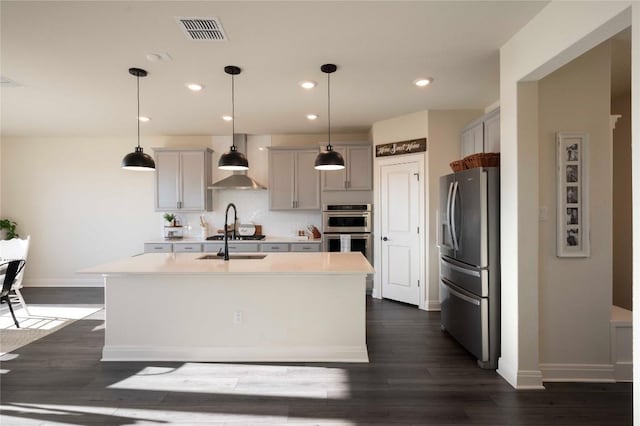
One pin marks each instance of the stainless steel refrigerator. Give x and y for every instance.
(469, 242)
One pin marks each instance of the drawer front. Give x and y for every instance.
(305, 247)
(185, 248)
(473, 280)
(274, 247)
(246, 247)
(158, 247)
(233, 247)
(466, 318)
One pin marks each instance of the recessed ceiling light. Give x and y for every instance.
(195, 87)
(422, 82)
(312, 116)
(227, 117)
(158, 57)
(307, 84)
(144, 119)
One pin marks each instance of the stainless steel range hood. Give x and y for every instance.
(238, 180)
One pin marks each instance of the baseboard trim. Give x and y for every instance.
(623, 371)
(237, 354)
(64, 282)
(520, 379)
(433, 305)
(590, 373)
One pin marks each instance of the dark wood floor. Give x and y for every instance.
(417, 375)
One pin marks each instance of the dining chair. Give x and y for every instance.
(13, 268)
(12, 249)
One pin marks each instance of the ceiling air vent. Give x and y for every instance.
(202, 29)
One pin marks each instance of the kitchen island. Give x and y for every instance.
(262, 307)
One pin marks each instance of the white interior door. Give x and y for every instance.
(400, 207)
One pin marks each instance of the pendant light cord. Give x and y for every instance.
(329, 147)
(138, 117)
(233, 114)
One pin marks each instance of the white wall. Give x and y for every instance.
(82, 209)
(406, 127)
(558, 34)
(442, 129)
(443, 147)
(575, 293)
(622, 211)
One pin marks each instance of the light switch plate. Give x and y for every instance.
(543, 213)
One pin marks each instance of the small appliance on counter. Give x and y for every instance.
(220, 237)
(246, 229)
(173, 232)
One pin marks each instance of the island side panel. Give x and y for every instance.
(251, 318)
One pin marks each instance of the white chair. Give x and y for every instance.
(13, 249)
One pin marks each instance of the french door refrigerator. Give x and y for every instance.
(469, 242)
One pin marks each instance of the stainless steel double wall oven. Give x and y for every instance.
(355, 220)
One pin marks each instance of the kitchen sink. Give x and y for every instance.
(232, 256)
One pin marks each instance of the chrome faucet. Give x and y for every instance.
(226, 235)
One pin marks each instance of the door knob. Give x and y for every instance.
(385, 239)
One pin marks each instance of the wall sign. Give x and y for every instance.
(399, 148)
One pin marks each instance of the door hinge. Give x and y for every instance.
(417, 175)
(418, 283)
(418, 230)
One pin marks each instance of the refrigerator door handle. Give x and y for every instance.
(460, 295)
(448, 216)
(452, 218)
(462, 270)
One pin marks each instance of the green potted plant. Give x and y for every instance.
(171, 218)
(8, 227)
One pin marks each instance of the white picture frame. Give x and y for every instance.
(572, 160)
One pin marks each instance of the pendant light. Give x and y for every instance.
(234, 159)
(329, 159)
(138, 160)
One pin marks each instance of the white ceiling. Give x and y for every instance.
(71, 60)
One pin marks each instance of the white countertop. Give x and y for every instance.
(268, 239)
(353, 263)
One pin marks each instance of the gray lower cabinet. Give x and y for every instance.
(187, 247)
(233, 247)
(158, 247)
(301, 247)
(274, 247)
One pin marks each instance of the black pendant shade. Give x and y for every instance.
(138, 160)
(329, 159)
(234, 159)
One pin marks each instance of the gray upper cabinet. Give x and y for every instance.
(182, 177)
(492, 131)
(481, 135)
(357, 174)
(293, 182)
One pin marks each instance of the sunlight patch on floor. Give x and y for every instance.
(242, 379)
(259, 413)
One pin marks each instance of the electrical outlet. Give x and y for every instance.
(543, 213)
(237, 317)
